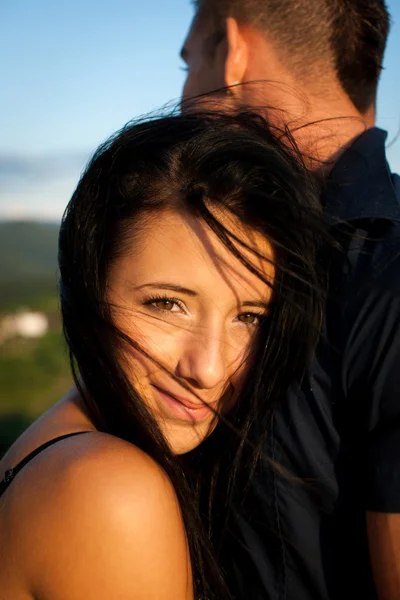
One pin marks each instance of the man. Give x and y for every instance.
(314, 65)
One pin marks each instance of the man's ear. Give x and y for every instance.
(236, 55)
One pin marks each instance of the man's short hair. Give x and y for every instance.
(348, 35)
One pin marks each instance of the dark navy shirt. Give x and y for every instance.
(305, 538)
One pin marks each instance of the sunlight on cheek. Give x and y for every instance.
(242, 343)
(155, 336)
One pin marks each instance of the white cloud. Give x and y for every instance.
(38, 187)
(44, 200)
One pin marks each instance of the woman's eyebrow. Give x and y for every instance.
(256, 304)
(168, 286)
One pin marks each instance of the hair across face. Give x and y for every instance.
(345, 37)
(190, 163)
(195, 309)
(216, 209)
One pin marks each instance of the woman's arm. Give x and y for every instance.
(109, 527)
(384, 543)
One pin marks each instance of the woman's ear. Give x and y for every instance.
(236, 55)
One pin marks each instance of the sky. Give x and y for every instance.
(73, 72)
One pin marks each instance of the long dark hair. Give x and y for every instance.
(202, 160)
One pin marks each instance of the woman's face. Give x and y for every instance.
(195, 309)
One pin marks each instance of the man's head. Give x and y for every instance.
(319, 47)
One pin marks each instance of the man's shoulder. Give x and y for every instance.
(361, 185)
(363, 200)
(365, 276)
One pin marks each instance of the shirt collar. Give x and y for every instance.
(360, 185)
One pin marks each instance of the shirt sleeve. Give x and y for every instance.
(371, 378)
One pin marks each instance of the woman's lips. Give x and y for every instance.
(182, 409)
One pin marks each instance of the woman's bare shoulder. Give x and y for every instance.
(97, 462)
(97, 467)
(104, 517)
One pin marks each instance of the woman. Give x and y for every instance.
(191, 297)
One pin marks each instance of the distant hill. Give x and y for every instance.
(28, 261)
(34, 373)
(27, 250)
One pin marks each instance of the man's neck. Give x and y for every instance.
(321, 117)
(321, 133)
(324, 139)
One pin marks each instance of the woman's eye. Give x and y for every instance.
(164, 304)
(248, 318)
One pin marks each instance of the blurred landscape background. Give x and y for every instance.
(33, 363)
(73, 73)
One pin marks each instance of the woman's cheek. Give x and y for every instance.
(160, 345)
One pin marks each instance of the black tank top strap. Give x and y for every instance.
(11, 473)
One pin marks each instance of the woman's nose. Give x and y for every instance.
(202, 362)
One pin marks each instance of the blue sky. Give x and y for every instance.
(73, 72)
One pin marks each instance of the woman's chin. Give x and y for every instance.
(182, 439)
